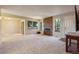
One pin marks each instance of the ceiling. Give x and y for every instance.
(37, 11)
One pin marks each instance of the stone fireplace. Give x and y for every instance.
(48, 26)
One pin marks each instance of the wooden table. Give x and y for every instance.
(68, 41)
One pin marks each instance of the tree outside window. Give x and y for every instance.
(57, 25)
(32, 24)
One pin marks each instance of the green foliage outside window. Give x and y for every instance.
(29, 23)
(57, 25)
(32, 24)
(35, 24)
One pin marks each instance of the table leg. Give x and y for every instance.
(66, 44)
(69, 42)
(77, 46)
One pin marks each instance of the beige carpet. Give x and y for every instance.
(34, 44)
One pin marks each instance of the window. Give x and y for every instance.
(29, 23)
(32, 24)
(35, 24)
(57, 25)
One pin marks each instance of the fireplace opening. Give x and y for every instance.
(47, 31)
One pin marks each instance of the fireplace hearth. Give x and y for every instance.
(47, 31)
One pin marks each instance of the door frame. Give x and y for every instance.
(24, 26)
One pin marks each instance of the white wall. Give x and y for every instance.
(0, 26)
(0, 19)
(10, 25)
(67, 24)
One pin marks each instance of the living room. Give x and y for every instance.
(36, 23)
